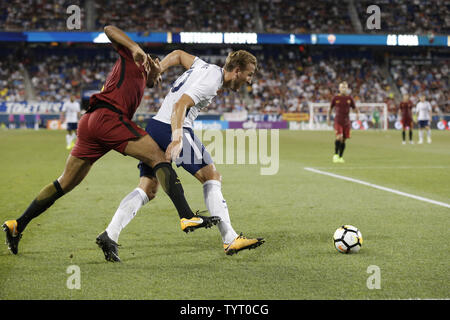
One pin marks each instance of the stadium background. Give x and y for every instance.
(304, 49)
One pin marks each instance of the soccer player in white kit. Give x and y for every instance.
(172, 130)
(72, 114)
(423, 112)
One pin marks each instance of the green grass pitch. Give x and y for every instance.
(296, 211)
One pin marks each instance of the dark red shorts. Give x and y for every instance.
(342, 129)
(103, 130)
(407, 123)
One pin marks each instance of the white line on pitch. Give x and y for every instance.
(443, 204)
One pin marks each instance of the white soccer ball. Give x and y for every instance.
(347, 239)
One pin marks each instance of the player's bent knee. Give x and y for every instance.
(146, 150)
(216, 176)
(208, 173)
(151, 195)
(213, 175)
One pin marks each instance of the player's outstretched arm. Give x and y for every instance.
(118, 37)
(176, 58)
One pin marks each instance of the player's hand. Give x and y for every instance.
(140, 57)
(158, 81)
(328, 122)
(174, 149)
(154, 69)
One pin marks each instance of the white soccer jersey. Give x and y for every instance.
(424, 110)
(71, 109)
(200, 82)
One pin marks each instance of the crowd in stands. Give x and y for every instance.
(55, 77)
(424, 78)
(36, 15)
(177, 15)
(408, 16)
(277, 16)
(12, 86)
(285, 81)
(326, 16)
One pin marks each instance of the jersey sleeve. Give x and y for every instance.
(206, 87)
(124, 51)
(198, 63)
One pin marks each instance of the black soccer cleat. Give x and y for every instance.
(108, 246)
(12, 235)
(198, 221)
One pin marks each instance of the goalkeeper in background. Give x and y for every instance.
(376, 118)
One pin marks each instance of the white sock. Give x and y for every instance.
(217, 206)
(420, 135)
(126, 212)
(73, 137)
(429, 133)
(68, 139)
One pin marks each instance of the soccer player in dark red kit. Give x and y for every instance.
(342, 125)
(405, 108)
(107, 125)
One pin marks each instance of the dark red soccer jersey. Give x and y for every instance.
(342, 105)
(406, 109)
(124, 86)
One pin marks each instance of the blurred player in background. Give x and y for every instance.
(342, 124)
(423, 112)
(106, 126)
(11, 121)
(172, 127)
(405, 110)
(71, 111)
(376, 118)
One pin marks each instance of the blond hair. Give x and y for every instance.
(240, 59)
